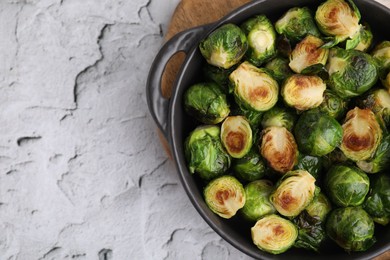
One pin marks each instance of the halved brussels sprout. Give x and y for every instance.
(296, 23)
(333, 105)
(312, 164)
(253, 88)
(378, 101)
(303, 92)
(274, 234)
(218, 75)
(364, 40)
(382, 53)
(308, 56)
(361, 134)
(377, 203)
(278, 116)
(279, 69)
(205, 154)
(294, 192)
(261, 39)
(225, 46)
(339, 19)
(279, 149)
(381, 159)
(225, 196)
(206, 102)
(351, 72)
(251, 167)
(319, 207)
(346, 185)
(317, 134)
(236, 136)
(311, 232)
(351, 228)
(257, 202)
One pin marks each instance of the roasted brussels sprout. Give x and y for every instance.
(386, 81)
(378, 101)
(339, 19)
(225, 46)
(249, 168)
(225, 196)
(279, 69)
(312, 164)
(382, 53)
(278, 116)
(294, 192)
(346, 185)
(361, 134)
(257, 202)
(307, 56)
(279, 149)
(351, 72)
(261, 39)
(206, 102)
(319, 207)
(351, 228)
(254, 89)
(381, 159)
(274, 234)
(311, 232)
(377, 203)
(296, 23)
(333, 105)
(218, 75)
(364, 40)
(236, 136)
(317, 134)
(303, 92)
(205, 154)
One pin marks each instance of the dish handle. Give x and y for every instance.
(157, 103)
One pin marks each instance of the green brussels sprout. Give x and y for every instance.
(261, 39)
(225, 46)
(254, 89)
(312, 164)
(218, 75)
(382, 221)
(346, 185)
(279, 149)
(257, 202)
(333, 105)
(205, 154)
(378, 101)
(307, 56)
(319, 207)
(364, 40)
(279, 69)
(382, 53)
(351, 228)
(296, 23)
(317, 134)
(225, 196)
(303, 92)
(361, 134)
(311, 232)
(249, 168)
(351, 72)
(206, 102)
(294, 192)
(278, 116)
(381, 159)
(236, 136)
(274, 234)
(338, 19)
(377, 203)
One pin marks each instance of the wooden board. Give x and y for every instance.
(188, 14)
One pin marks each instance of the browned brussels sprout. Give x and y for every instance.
(236, 136)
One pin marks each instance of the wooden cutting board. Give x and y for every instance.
(188, 14)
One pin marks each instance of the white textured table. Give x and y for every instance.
(82, 172)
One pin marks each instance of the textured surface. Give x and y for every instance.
(82, 172)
